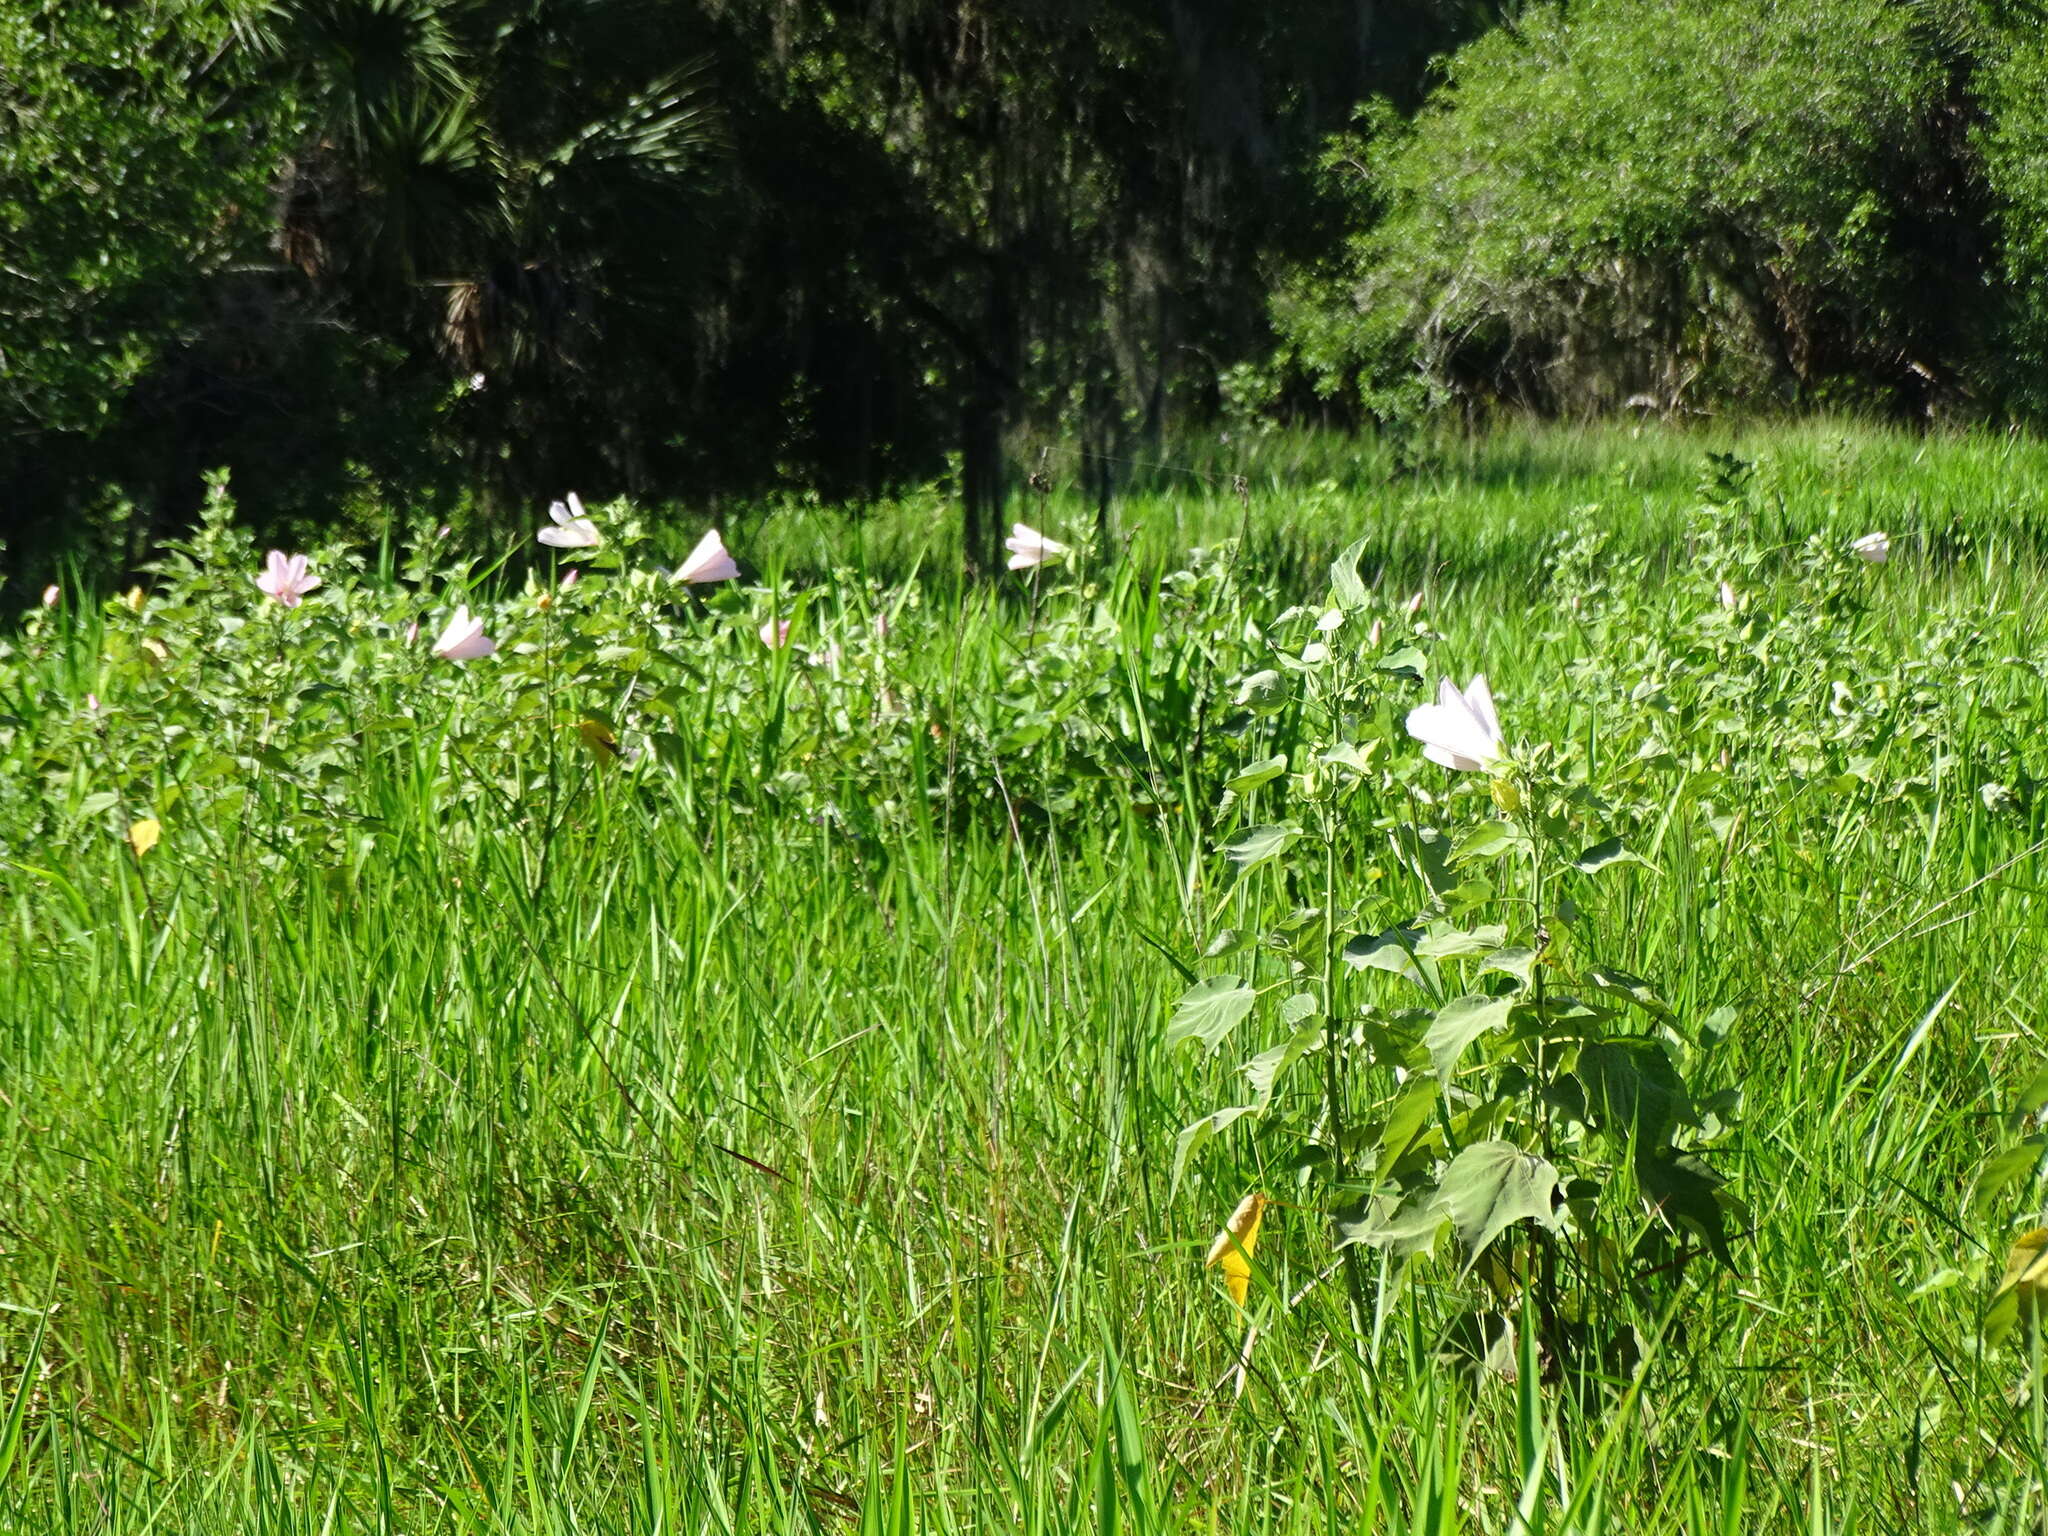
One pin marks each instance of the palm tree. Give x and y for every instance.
(467, 174)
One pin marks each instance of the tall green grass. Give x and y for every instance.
(660, 1163)
(1470, 507)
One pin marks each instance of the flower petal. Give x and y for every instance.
(1479, 699)
(709, 561)
(1448, 731)
(1452, 760)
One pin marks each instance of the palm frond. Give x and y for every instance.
(667, 131)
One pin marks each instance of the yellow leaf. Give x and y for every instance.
(599, 738)
(144, 834)
(2020, 1294)
(1232, 1250)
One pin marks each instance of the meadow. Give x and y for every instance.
(1114, 1047)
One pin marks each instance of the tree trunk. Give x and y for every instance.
(984, 419)
(981, 478)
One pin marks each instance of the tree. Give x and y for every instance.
(133, 161)
(1069, 201)
(1697, 201)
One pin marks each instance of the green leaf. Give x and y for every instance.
(1478, 1345)
(1715, 1027)
(1492, 1185)
(1255, 774)
(1263, 691)
(1633, 1090)
(1351, 757)
(1620, 983)
(2004, 1170)
(1519, 963)
(1427, 852)
(1193, 1138)
(1265, 1070)
(1402, 1225)
(1458, 1023)
(1486, 842)
(1407, 662)
(2034, 1095)
(1605, 855)
(1298, 1007)
(1255, 845)
(1345, 583)
(1411, 1112)
(1456, 944)
(1683, 1191)
(1388, 951)
(1210, 1010)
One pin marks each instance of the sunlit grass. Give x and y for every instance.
(662, 1163)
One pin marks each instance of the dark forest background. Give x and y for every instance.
(449, 258)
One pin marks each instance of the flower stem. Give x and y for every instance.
(1333, 1084)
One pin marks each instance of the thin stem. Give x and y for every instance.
(1333, 1087)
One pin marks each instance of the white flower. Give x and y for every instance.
(570, 529)
(464, 639)
(1460, 730)
(51, 594)
(1875, 547)
(1728, 597)
(1029, 548)
(707, 562)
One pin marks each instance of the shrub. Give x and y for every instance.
(1684, 201)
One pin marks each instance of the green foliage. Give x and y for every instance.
(133, 160)
(1671, 204)
(487, 249)
(643, 1079)
(1520, 1090)
(2014, 140)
